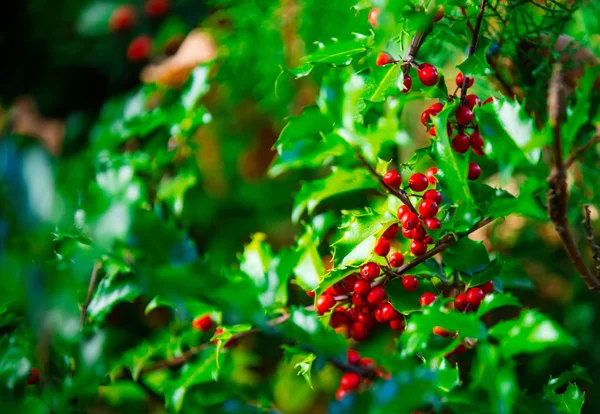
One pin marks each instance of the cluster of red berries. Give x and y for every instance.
(352, 381)
(125, 17)
(204, 323)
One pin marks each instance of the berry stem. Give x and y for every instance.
(473, 46)
(90, 293)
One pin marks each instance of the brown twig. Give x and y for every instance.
(399, 193)
(569, 161)
(557, 192)
(473, 46)
(90, 293)
(443, 245)
(591, 239)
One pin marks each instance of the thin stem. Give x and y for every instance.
(591, 239)
(581, 150)
(90, 293)
(473, 46)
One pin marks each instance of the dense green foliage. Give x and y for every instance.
(255, 179)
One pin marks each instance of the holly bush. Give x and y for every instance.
(300, 206)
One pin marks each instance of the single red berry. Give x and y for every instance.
(370, 270)
(139, 49)
(378, 316)
(476, 141)
(433, 223)
(474, 171)
(426, 116)
(460, 143)
(384, 59)
(376, 295)
(325, 303)
(349, 282)
(436, 108)
(460, 349)
(418, 233)
(122, 18)
(398, 324)
(373, 15)
(366, 363)
(396, 259)
(428, 240)
(350, 381)
(489, 100)
(418, 182)
(438, 330)
(487, 287)
(407, 233)
(428, 208)
(460, 78)
(391, 232)
(427, 298)
(340, 394)
(410, 220)
(359, 300)
(428, 74)
(362, 287)
(353, 357)
(203, 323)
(402, 211)
(388, 313)
(461, 302)
(434, 195)
(156, 8)
(439, 14)
(335, 289)
(359, 331)
(310, 293)
(367, 318)
(430, 174)
(472, 100)
(338, 319)
(352, 314)
(393, 179)
(410, 283)
(464, 115)
(431, 131)
(418, 248)
(475, 296)
(407, 84)
(382, 247)
(34, 376)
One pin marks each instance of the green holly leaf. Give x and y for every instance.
(309, 267)
(338, 53)
(495, 301)
(404, 301)
(531, 332)
(340, 181)
(477, 64)
(332, 277)
(109, 293)
(382, 82)
(304, 326)
(569, 402)
(467, 256)
(305, 363)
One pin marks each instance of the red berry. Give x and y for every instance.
(382, 247)
(378, 316)
(122, 18)
(426, 116)
(396, 259)
(367, 318)
(428, 240)
(438, 330)
(366, 363)
(474, 171)
(418, 233)
(428, 74)
(353, 357)
(388, 313)
(362, 287)
(376, 295)
(489, 100)
(430, 174)
(460, 143)
(460, 79)
(338, 318)
(359, 331)
(370, 270)
(398, 324)
(431, 131)
(410, 283)
(461, 302)
(460, 349)
(418, 248)
(407, 233)
(410, 220)
(203, 323)
(349, 281)
(34, 376)
(352, 314)
(427, 298)
(384, 59)
(434, 195)
(156, 8)
(350, 381)
(407, 84)
(418, 182)
(359, 300)
(475, 296)
(402, 211)
(393, 179)
(476, 141)
(373, 15)
(464, 116)
(325, 303)
(428, 208)
(310, 293)
(487, 287)
(436, 108)
(391, 232)
(471, 101)
(433, 223)
(336, 289)
(340, 394)
(139, 49)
